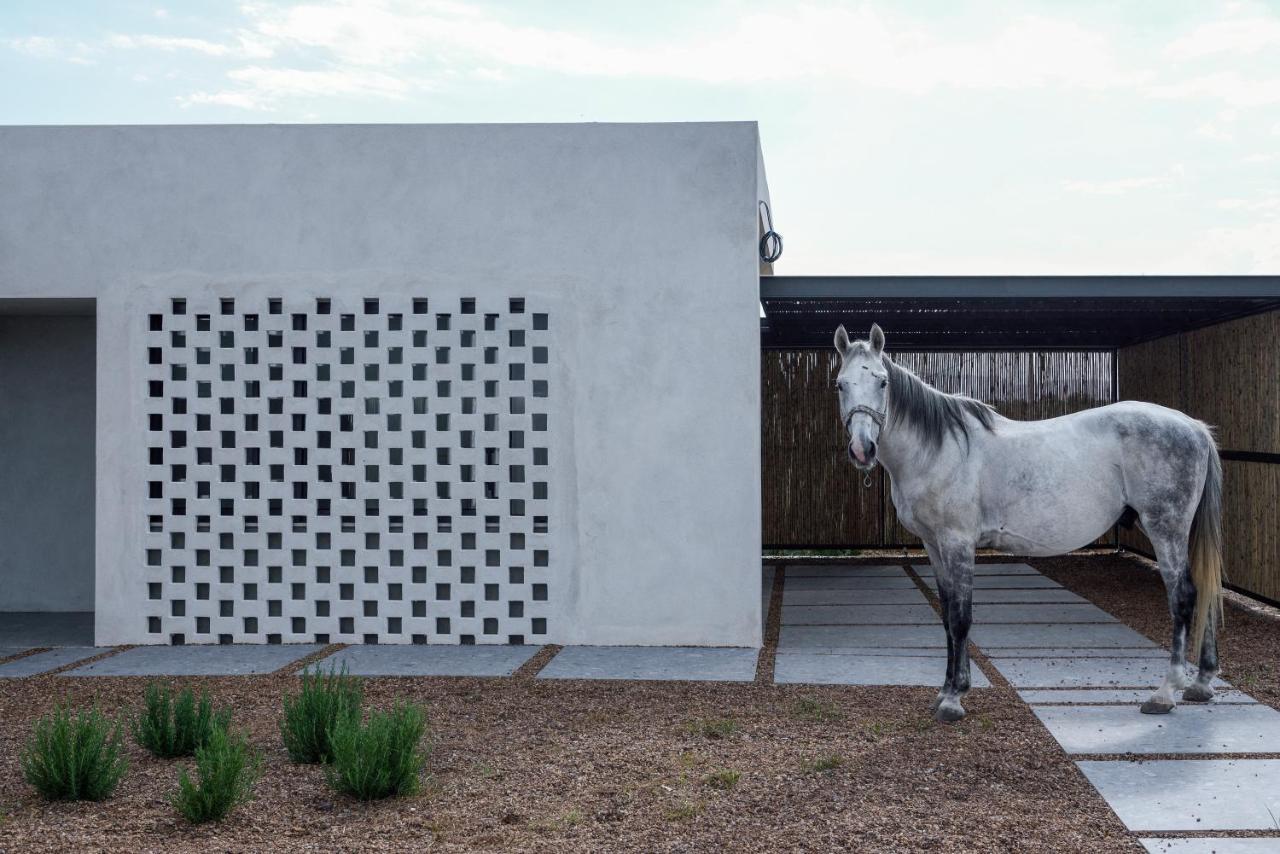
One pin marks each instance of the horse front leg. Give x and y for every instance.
(954, 571)
(944, 597)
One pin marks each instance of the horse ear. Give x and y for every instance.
(842, 340)
(877, 339)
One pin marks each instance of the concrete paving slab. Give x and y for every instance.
(837, 582)
(1083, 672)
(835, 637)
(1115, 696)
(995, 635)
(846, 571)
(858, 615)
(192, 660)
(1190, 794)
(923, 569)
(903, 596)
(702, 664)
(1212, 845)
(1188, 729)
(811, 669)
(1011, 582)
(1149, 652)
(46, 628)
(43, 662)
(430, 660)
(913, 651)
(1041, 613)
(1045, 594)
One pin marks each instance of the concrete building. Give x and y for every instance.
(435, 384)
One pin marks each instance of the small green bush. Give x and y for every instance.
(226, 769)
(381, 758)
(74, 757)
(325, 699)
(171, 728)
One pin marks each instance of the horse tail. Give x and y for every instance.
(1206, 552)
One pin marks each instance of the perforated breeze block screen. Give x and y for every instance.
(346, 470)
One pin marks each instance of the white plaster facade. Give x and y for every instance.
(586, 294)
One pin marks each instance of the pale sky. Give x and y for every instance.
(899, 137)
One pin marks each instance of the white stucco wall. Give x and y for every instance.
(639, 241)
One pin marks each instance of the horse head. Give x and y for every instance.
(863, 387)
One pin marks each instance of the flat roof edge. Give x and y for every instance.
(961, 287)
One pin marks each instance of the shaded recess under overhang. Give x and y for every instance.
(1005, 312)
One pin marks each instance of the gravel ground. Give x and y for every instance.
(589, 766)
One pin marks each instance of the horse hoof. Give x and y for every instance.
(1156, 707)
(1197, 693)
(933, 707)
(948, 713)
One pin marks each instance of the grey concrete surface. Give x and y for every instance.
(939, 653)
(1047, 595)
(1083, 672)
(1117, 696)
(429, 660)
(1192, 729)
(1190, 794)
(835, 637)
(46, 628)
(48, 383)
(1020, 612)
(994, 635)
(830, 570)
(702, 664)
(43, 662)
(1148, 652)
(900, 596)
(819, 669)
(857, 615)
(228, 660)
(1212, 845)
(1011, 582)
(851, 583)
(923, 569)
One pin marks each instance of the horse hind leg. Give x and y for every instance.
(1201, 690)
(1171, 556)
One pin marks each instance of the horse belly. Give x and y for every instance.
(1068, 508)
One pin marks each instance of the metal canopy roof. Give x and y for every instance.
(1005, 312)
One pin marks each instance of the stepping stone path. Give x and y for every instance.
(694, 663)
(859, 625)
(43, 662)
(193, 660)
(427, 660)
(1085, 675)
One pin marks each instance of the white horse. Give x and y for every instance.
(964, 477)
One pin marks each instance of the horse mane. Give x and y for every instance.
(934, 414)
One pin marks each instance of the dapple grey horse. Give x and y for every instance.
(964, 477)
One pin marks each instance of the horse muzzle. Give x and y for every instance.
(862, 454)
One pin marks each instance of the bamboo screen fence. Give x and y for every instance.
(1229, 376)
(814, 498)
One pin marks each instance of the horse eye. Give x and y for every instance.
(883, 383)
